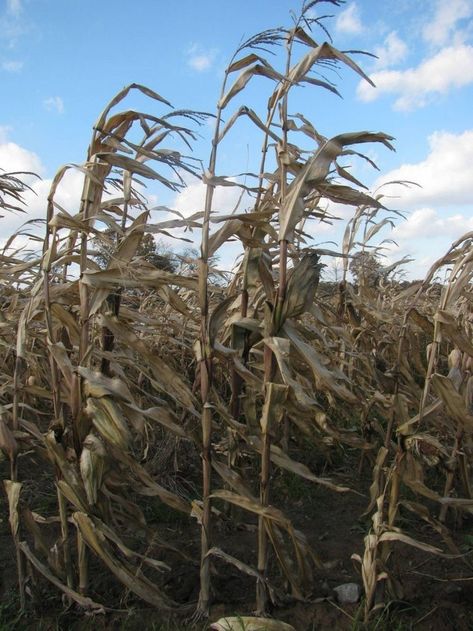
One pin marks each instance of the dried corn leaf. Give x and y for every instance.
(129, 554)
(243, 567)
(401, 537)
(62, 359)
(282, 460)
(450, 328)
(261, 69)
(244, 62)
(161, 415)
(92, 466)
(109, 421)
(71, 484)
(217, 318)
(173, 299)
(233, 479)
(268, 512)
(423, 512)
(246, 111)
(274, 406)
(250, 623)
(149, 487)
(323, 52)
(13, 490)
(67, 320)
(30, 521)
(324, 378)
(422, 321)
(165, 376)
(376, 488)
(97, 385)
(314, 175)
(453, 401)
(136, 277)
(83, 601)
(125, 573)
(300, 291)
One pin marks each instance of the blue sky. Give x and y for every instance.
(61, 61)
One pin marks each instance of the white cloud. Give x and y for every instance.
(451, 68)
(393, 51)
(225, 199)
(12, 66)
(14, 158)
(442, 27)
(428, 223)
(439, 212)
(425, 236)
(349, 21)
(200, 59)
(67, 196)
(446, 174)
(54, 103)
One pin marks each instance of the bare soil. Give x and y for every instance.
(437, 592)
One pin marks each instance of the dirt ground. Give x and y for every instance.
(437, 592)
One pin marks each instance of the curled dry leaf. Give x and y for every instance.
(250, 623)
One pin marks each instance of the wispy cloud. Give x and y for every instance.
(14, 7)
(12, 66)
(450, 68)
(443, 26)
(200, 59)
(349, 21)
(393, 51)
(12, 23)
(54, 104)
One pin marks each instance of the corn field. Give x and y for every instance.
(162, 407)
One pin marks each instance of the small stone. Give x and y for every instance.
(348, 593)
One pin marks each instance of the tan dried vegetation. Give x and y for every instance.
(103, 367)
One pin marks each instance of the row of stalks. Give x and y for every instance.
(101, 360)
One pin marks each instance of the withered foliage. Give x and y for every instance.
(102, 366)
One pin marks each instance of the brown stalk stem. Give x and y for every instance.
(261, 591)
(52, 363)
(282, 271)
(269, 368)
(83, 563)
(16, 401)
(204, 596)
(20, 565)
(114, 299)
(61, 500)
(47, 315)
(451, 475)
(206, 375)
